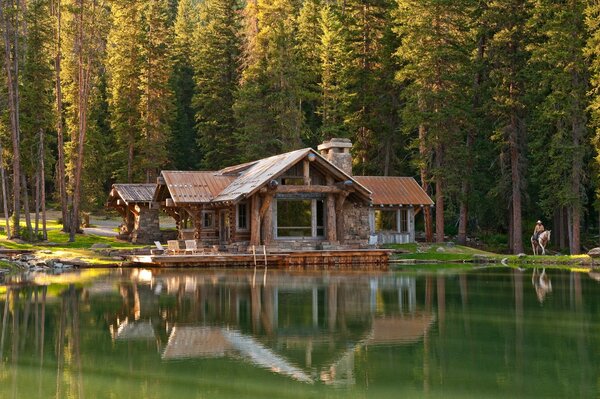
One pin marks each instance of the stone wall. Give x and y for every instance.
(146, 229)
(356, 223)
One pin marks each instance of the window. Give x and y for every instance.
(403, 220)
(242, 216)
(386, 220)
(208, 219)
(300, 218)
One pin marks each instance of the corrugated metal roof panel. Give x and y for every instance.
(132, 193)
(195, 187)
(394, 190)
(263, 170)
(260, 173)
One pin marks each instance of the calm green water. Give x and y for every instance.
(227, 334)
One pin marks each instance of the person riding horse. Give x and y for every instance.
(539, 229)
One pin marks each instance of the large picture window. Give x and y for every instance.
(386, 220)
(300, 218)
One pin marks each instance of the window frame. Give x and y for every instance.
(246, 207)
(205, 215)
(314, 225)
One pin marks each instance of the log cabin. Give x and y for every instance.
(302, 199)
(299, 200)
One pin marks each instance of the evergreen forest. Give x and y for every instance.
(493, 106)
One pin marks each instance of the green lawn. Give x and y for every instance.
(436, 252)
(60, 247)
(459, 253)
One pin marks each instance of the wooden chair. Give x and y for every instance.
(173, 247)
(191, 246)
(159, 250)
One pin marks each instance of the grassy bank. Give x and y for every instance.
(58, 246)
(445, 253)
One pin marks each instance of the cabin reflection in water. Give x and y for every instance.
(307, 327)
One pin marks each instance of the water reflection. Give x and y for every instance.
(416, 332)
(269, 323)
(541, 283)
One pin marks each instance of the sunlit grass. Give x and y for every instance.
(458, 253)
(59, 246)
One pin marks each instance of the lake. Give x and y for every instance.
(135, 333)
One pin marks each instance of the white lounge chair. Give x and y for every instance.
(173, 247)
(159, 250)
(191, 246)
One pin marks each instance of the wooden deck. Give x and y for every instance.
(365, 259)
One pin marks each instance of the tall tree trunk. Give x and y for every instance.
(43, 186)
(465, 189)
(37, 201)
(439, 196)
(12, 74)
(26, 209)
(577, 129)
(4, 194)
(130, 158)
(61, 175)
(515, 160)
(424, 153)
(84, 82)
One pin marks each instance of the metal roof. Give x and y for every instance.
(264, 170)
(133, 193)
(260, 173)
(394, 190)
(195, 187)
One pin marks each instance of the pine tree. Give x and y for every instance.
(592, 51)
(85, 31)
(336, 60)
(156, 101)
(184, 152)
(309, 62)
(268, 103)
(216, 66)
(557, 57)
(373, 117)
(436, 45)
(123, 66)
(37, 118)
(508, 56)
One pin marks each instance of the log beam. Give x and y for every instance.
(308, 189)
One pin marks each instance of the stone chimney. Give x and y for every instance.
(337, 151)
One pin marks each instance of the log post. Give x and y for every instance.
(306, 170)
(255, 221)
(197, 220)
(339, 215)
(331, 228)
(266, 213)
(330, 213)
(129, 219)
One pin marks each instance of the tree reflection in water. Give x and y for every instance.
(358, 331)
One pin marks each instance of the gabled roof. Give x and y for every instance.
(133, 193)
(395, 190)
(195, 187)
(264, 170)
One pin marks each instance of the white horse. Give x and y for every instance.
(541, 242)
